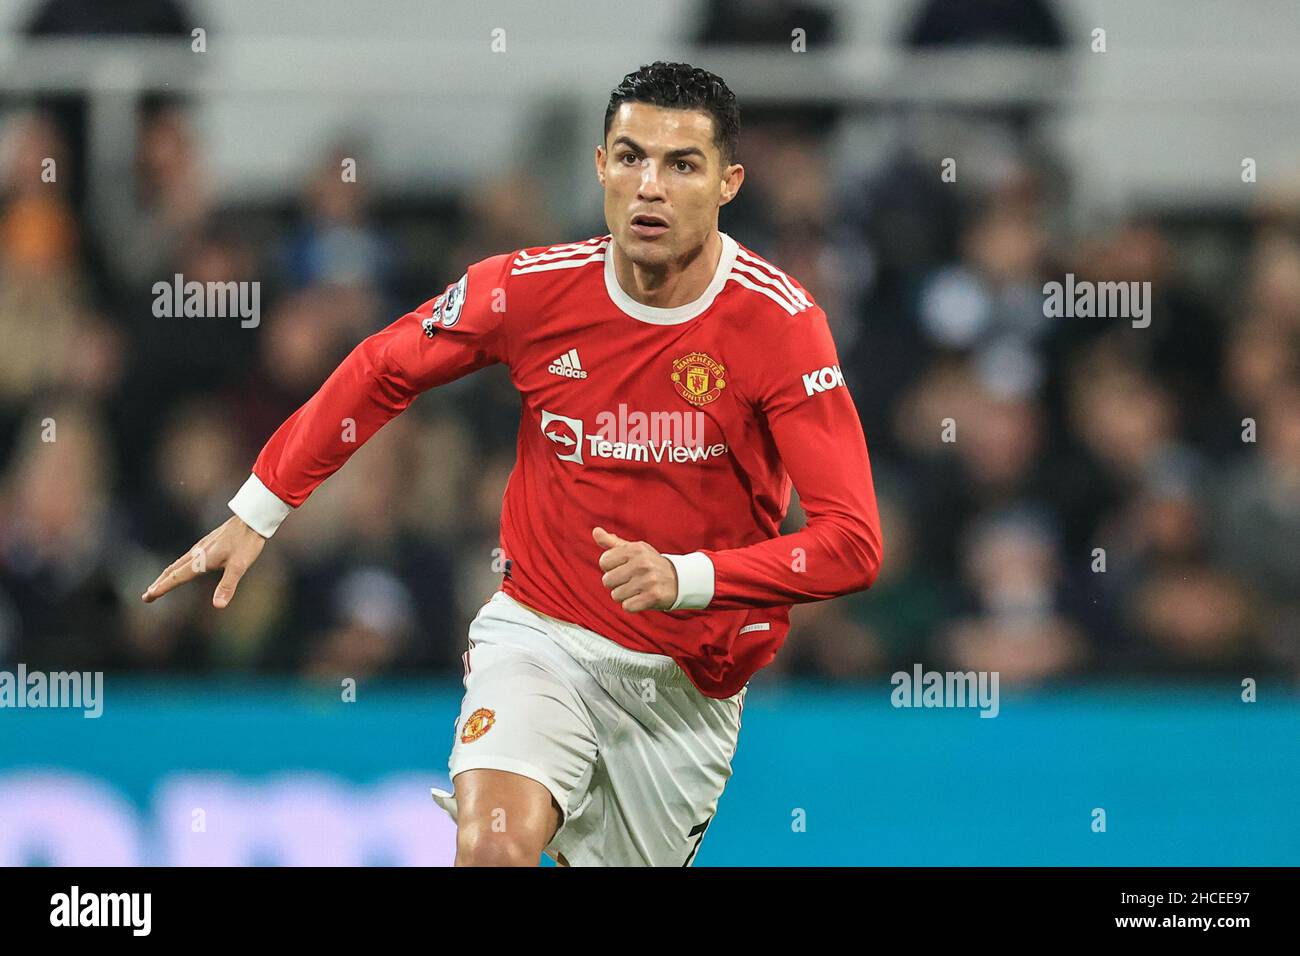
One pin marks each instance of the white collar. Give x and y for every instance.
(678, 314)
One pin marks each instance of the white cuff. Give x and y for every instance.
(694, 580)
(258, 507)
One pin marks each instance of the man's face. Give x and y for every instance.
(664, 181)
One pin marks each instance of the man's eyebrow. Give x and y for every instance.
(672, 154)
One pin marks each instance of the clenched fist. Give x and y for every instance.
(637, 575)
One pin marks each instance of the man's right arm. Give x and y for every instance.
(456, 333)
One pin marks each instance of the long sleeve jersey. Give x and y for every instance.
(682, 427)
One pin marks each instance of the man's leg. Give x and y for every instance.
(506, 819)
(662, 781)
(525, 747)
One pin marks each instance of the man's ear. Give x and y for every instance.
(600, 165)
(735, 175)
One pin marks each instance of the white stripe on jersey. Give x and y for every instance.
(776, 273)
(561, 247)
(779, 300)
(560, 252)
(561, 264)
(770, 282)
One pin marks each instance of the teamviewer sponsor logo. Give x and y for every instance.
(658, 453)
(566, 433)
(675, 437)
(823, 380)
(567, 365)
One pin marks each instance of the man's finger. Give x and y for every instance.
(226, 589)
(605, 539)
(619, 575)
(614, 558)
(626, 590)
(641, 601)
(177, 573)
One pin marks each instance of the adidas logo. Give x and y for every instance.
(567, 365)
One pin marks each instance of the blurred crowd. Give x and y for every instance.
(1061, 497)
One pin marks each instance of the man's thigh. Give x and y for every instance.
(523, 718)
(503, 814)
(658, 782)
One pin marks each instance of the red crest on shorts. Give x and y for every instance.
(479, 723)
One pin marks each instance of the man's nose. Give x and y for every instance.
(651, 186)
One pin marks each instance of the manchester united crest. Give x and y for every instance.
(698, 378)
(479, 723)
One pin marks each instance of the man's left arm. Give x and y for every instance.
(818, 435)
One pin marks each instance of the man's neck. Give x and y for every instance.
(674, 284)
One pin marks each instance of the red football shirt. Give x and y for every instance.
(682, 427)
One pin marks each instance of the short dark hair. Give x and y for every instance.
(683, 87)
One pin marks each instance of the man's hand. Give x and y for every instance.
(233, 546)
(639, 576)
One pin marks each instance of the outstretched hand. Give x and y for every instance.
(234, 546)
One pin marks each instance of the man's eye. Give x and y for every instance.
(627, 156)
(689, 166)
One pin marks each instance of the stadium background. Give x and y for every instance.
(1120, 690)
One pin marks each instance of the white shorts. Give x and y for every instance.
(634, 755)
